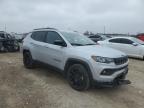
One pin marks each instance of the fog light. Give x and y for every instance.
(107, 72)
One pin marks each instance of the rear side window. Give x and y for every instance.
(115, 41)
(52, 36)
(39, 35)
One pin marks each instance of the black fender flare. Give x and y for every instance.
(72, 61)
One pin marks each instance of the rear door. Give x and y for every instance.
(54, 54)
(38, 45)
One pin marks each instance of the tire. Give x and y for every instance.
(27, 60)
(78, 77)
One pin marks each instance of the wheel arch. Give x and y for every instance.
(72, 61)
(25, 50)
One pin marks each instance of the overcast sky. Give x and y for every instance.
(118, 16)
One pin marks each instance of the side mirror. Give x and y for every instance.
(60, 43)
(134, 44)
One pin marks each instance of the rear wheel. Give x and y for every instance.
(78, 77)
(27, 60)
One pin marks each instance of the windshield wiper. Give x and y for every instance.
(90, 44)
(76, 44)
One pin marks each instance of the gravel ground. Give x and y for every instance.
(44, 88)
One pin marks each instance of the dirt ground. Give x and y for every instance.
(44, 88)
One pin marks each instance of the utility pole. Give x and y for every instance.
(5, 27)
(104, 29)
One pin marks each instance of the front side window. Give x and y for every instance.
(76, 39)
(126, 41)
(52, 37)
(39, 35)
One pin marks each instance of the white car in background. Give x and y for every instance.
(133, 47)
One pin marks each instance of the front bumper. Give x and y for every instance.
(98, 68)
(119, 80)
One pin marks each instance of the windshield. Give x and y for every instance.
(138, 41)
(76, 39)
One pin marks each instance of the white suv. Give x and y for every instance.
(83, 62)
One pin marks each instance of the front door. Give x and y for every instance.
(54, 54)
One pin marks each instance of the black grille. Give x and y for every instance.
(121, 60)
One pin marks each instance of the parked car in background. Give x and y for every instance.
(140, 36)
(98, 37)
(8, 43)
(78, 58)
(18, 37)
(133, 47)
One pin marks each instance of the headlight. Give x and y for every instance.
(102, 59)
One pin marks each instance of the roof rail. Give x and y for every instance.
(45, 28)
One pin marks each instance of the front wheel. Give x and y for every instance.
(78, 77)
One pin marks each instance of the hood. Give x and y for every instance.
(98, 50)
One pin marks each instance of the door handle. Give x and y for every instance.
(31, 43)
(34, 44)
(46, 46)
